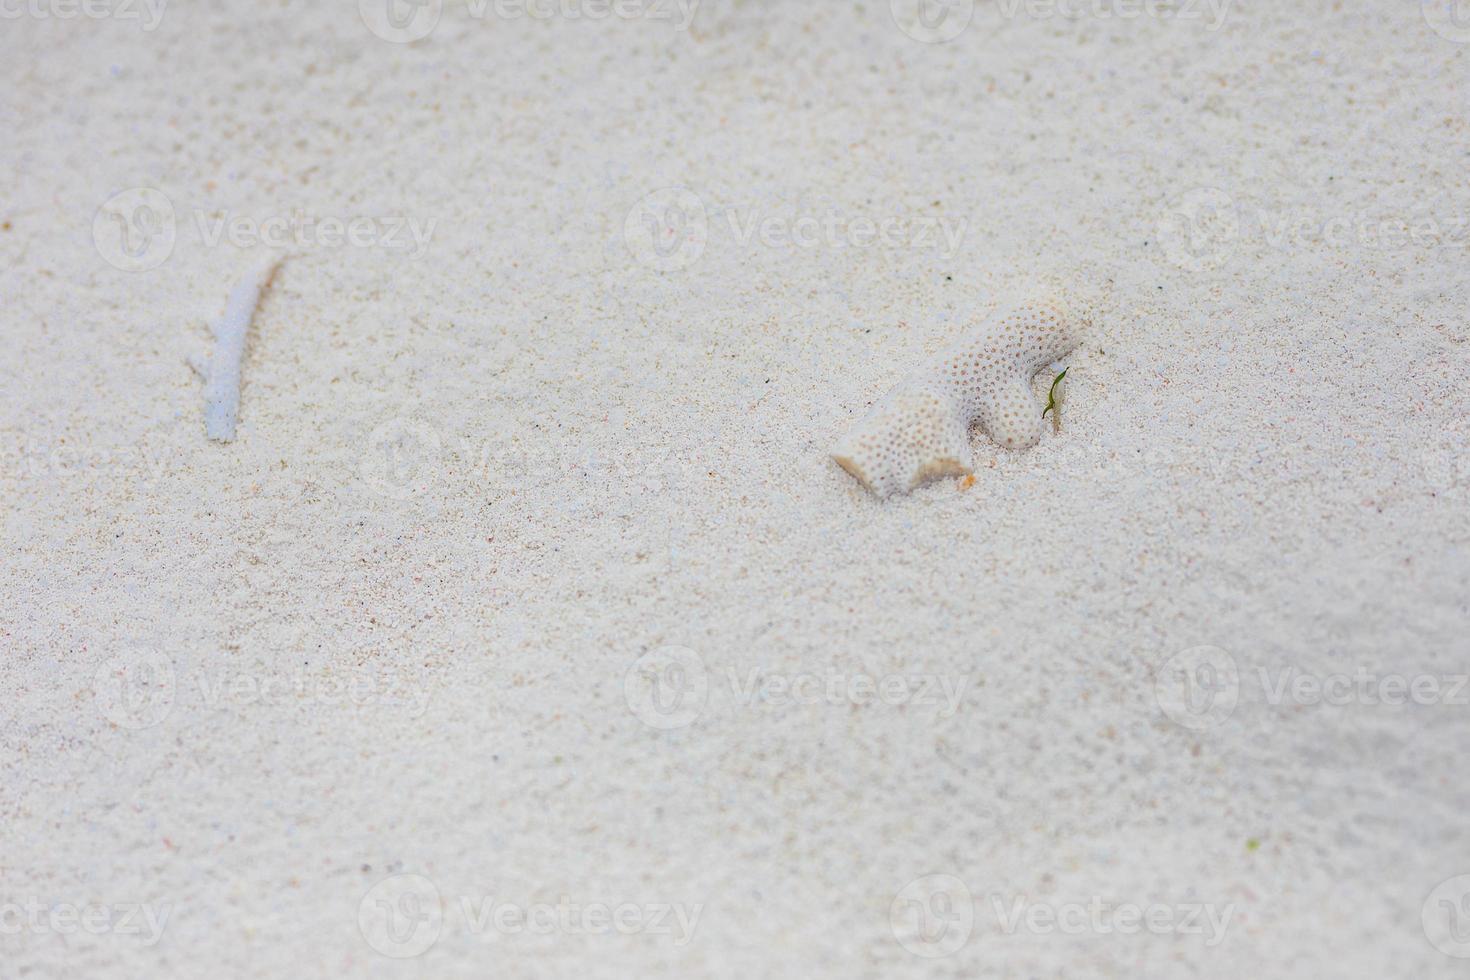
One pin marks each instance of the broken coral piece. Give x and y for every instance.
(222, 375)
(920, 430)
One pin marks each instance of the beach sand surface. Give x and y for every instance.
(496, 605)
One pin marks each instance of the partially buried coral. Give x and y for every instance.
(920, 429)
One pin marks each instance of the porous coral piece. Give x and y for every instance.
(920, 429)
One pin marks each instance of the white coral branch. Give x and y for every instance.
(222, 377)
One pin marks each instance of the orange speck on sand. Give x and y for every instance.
(967, 482)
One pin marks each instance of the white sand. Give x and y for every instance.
(1263, 451)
